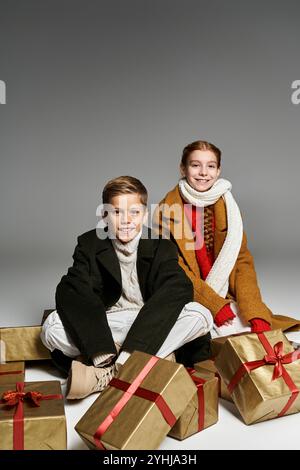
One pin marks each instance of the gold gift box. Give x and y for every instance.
(140, 424)
(208, 366)
(188, 423)
(12, 372)
(217, 343)
(44, 426)
(257, 396)
(22, 343)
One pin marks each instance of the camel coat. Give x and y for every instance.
(243, 285)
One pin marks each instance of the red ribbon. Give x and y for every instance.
(130, 390)
(274, 357)
(200, 392)
(11, 372)
(17, 398)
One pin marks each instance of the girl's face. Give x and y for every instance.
(201, 170)
(126, 215)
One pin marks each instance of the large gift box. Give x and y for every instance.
(218, 342)
(22, 343)
(208, 366)
(32, 416)
(216, 345)
(202, 410)
(139, 407)
(12, 372)
(262, 373)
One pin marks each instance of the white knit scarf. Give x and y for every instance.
(218, 277)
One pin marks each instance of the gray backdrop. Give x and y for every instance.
(97, 89)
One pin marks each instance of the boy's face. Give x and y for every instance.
(201, 170)
(126, 215)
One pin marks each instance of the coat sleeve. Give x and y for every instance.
(82, 312)
(203, 293)
(246, 288)
(170, 292)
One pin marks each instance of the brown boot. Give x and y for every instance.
(84, 380)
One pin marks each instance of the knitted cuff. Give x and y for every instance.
(223, 315)
(100, 360)
(258, 325)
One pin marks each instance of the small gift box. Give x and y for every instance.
(12, 372)
(262, 373)
(32, 417)
(208, 366)
(139, 407)
(202, 410)
(22, 343)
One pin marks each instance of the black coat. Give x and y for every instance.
(94, 283)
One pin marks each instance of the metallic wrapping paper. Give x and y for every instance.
(209, 367)
(7, 378)
(140, 424)
(217, 343)
(187, 424)
(22, 343)
(258, 397)
(44, 426)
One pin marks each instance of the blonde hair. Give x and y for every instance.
(124, 185)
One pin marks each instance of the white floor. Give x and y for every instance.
(20, 306)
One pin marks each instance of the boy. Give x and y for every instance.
(124, 292)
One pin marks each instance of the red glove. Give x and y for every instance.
(258, 325)
(224, 315)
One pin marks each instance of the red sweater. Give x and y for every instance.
(205, 262)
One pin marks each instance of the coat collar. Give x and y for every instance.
(107, 257)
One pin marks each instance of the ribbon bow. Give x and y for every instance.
(12, 398)
(16, 398)
(276, 357)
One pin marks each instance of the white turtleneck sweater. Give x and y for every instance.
(131, 297)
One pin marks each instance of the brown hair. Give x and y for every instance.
(124, 185)
(200, 145)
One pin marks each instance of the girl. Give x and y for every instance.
(218, 261)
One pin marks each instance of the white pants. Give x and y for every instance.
(238, 324)
(194, 320)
